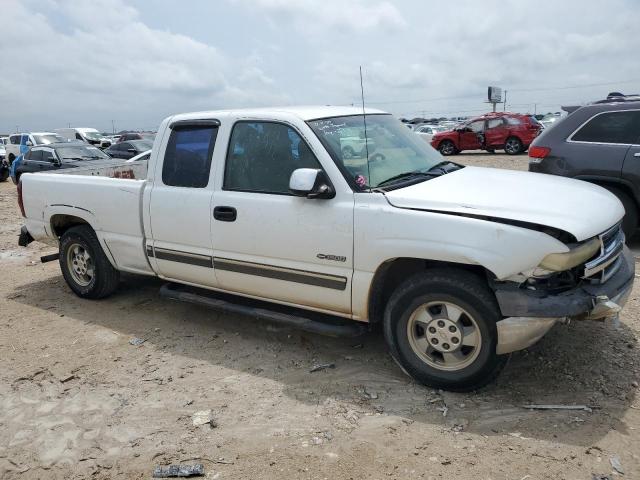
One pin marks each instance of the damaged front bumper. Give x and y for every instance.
(531, 313)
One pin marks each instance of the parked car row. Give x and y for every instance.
(25, 153)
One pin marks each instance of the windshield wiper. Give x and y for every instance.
(404, 175)
(439, 166)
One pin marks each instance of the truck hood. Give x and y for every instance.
(574, 206)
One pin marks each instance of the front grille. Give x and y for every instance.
(602, 267)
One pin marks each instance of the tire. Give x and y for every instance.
(513, 146)
(465, 367)
(100, 279)
(447, 147)
(348, 153)
(630, 219)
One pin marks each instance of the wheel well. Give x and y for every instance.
(393, 272)
(62, 223)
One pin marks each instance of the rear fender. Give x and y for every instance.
(83, 214)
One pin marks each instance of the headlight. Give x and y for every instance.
(559, 262)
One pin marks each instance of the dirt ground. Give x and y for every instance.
(77, 400)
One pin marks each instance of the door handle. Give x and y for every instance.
(225, 214)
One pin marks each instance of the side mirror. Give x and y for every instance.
(29, 143)
(311, 183)
(56, 162)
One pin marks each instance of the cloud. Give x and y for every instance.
(87, 62)
(315, 17)
(108, 63)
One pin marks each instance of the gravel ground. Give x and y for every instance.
(79, 401)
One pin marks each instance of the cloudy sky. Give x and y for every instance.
(133, 62)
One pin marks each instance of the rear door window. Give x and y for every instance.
(15, 139)
(35, 155)
(187, 160)
(612, 127)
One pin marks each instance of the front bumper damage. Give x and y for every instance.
(531, 313)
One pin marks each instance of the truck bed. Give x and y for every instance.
(106, 195)
(115, 168)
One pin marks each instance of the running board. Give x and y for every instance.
(292, 317)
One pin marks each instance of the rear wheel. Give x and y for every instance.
(513, 146)
(630, 219)
(447, 147)
(440, 326)
(84, 265)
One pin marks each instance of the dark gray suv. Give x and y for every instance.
(599, 143)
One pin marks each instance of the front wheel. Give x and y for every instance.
(447, 147)
(348, 153)
(85, 267)
(440, 326)
(513, 146)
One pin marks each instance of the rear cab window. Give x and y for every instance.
(621, 127)
(187, 159)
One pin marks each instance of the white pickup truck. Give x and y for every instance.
(459, 265)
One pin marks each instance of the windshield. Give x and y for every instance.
(92, 135)
(80, 152)
(142, 145)
(393, 148)
(47, 139)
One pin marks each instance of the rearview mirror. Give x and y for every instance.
(311, 183)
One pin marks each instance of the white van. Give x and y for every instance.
(87, 135)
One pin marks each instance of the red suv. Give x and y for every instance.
(512, 131)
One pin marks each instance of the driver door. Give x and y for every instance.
(269, 243)
(469, 138)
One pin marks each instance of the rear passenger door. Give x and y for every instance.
(601, 144)
(631, 167)
(30, 160)
(180, 245)
(496, 132)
